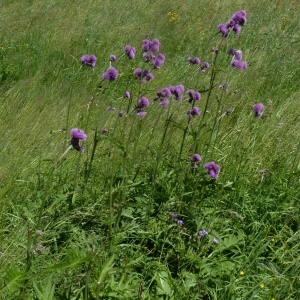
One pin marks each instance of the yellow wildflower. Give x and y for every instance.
(262, 286)
(242, 273)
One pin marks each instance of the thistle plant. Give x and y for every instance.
(176, 171)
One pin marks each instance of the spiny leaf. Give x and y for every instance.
(13, 280)
(45, 292)
(106, 268)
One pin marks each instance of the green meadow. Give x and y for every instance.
(175, 197)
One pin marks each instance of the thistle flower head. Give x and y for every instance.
(177, 91)
(159, 61)
(148, 56)
(195, 111)
(89, 60)
(137, 73)
(194, 95)
(130, 51)
(240, 17)
(164, 92)
(258, 109)
(141, 113)
(143, 102)
(126, 95)
(202, 232)
(146, 45)
(194, 60)
(238, 54)
(238, 64)
(112, 57)
(180, 222)
(149, 45)
(196, 157)
(149, 76)
(111, 74)
(236, 28)
(78, 134)
(164, 102)
(213, 169)
(154, 45)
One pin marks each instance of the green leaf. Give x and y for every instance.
(45, 292)
(106, 268)
(13, 280)
(164, 284)
(73, 258)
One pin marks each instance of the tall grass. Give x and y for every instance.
(133, 216)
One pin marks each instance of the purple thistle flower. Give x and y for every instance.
(154, 45)
(196, 157)
(238, 54)
(164, 102)
(177, 91)
(216, 241)
(230, 24)
(164, 92)
(78, 134)
(202, 233)
(242, 65)
(141, 113)
(112, 57)
(240, 17)
(143, 102)
(137, 73)
(258, 109)
(159, 61)
(236, 29)
(146, 45)
(126, 95)
(213, 169)
(121, 113)
(111, 74)
(180, 222)
(237, 20)
(148, 56)
(143, 75)
(195, 111)
(205, 65)
(130, 51)
(194, 96)
(151, 45)
(149, 76)
(194, 60)
(89, 60)
(223, 29)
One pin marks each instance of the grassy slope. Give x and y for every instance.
(43, 89)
